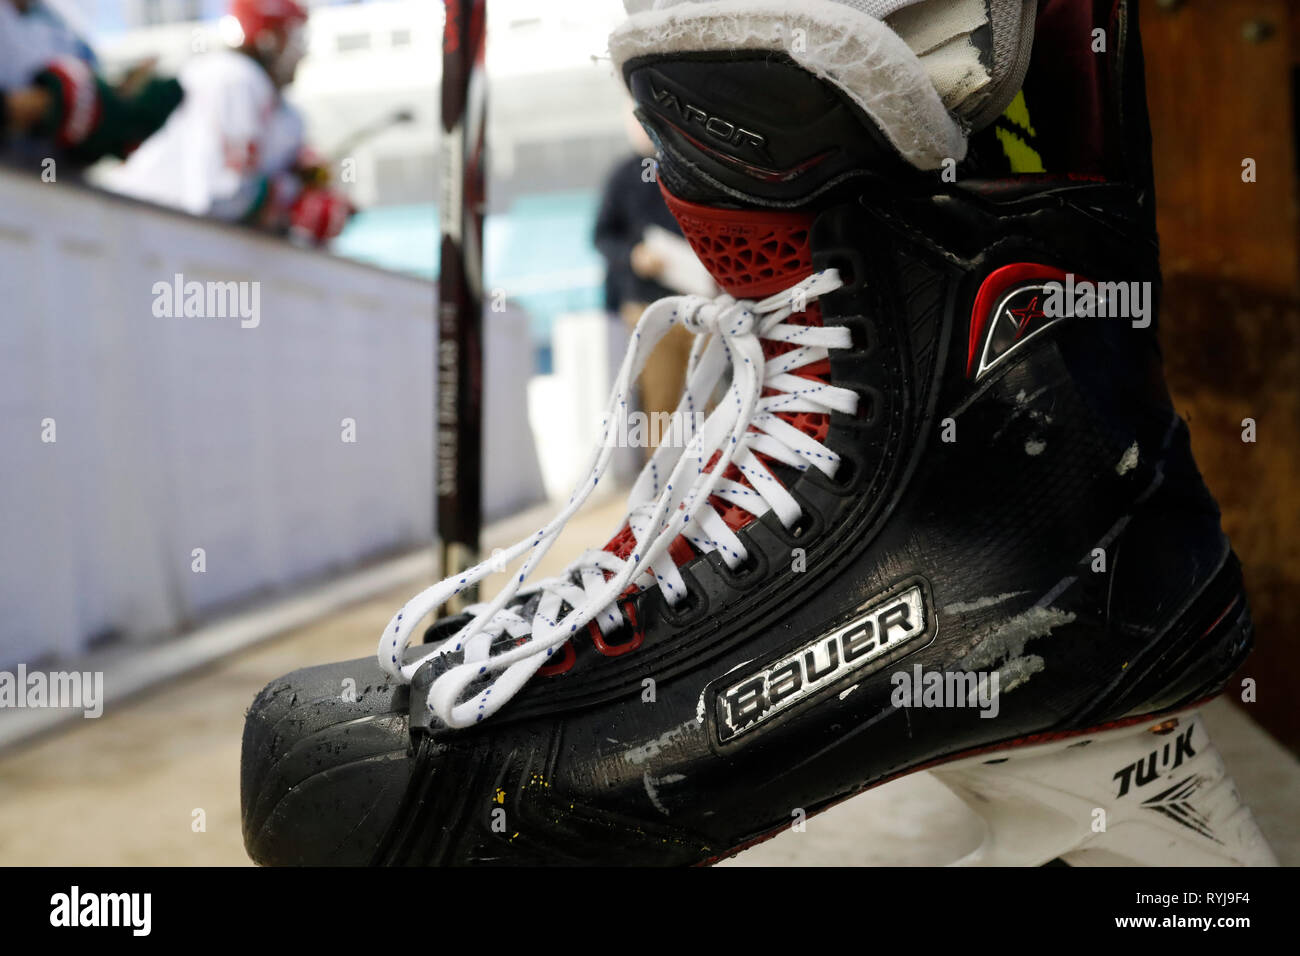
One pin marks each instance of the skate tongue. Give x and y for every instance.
(751, 253)
(773, 100)
(751, 124)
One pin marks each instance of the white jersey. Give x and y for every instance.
(215, 154)
(29, 41)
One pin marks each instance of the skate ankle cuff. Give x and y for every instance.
(859, 54)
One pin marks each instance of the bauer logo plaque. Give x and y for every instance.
(878, 630)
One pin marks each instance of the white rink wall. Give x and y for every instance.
(173, 434)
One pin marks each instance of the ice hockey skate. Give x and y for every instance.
(940, 514)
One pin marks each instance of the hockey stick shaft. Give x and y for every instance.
(459, 399)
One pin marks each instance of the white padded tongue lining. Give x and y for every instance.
(872, 8)
(840, 42)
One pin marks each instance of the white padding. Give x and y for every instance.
(856, 52)
(940, 33)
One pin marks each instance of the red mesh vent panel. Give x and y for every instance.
(751, 253)
(621, 544)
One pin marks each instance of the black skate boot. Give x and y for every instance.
(941, 514)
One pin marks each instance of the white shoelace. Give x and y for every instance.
(728, 334)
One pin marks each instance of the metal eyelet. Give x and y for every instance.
(804, 524)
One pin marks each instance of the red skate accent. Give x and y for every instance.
(614, 650)
(567, 656)
(752, 253)
(997, 283)
(621, 544)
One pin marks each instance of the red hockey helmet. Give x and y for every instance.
(265, 21)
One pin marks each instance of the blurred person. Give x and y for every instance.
(641, 243)
(51, 94)
(235, 149)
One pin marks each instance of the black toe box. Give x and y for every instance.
(325, 765)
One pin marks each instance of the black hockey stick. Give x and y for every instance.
(459, 399)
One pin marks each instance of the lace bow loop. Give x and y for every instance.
(492, 656)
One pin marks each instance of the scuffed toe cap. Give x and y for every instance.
(325, 765)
